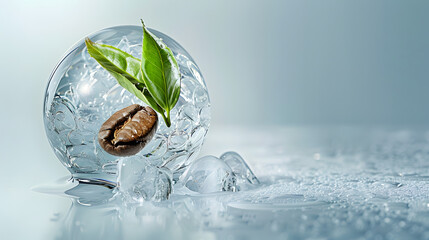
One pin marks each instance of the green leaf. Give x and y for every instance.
(155, 79)
(132, 88)
(115, 60)
(160, 72)
(124, 68)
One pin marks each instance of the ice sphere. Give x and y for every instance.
(81, 95)
(240, 168)
(139, 180)
(209, 174)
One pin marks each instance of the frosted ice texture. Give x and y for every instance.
(81, 96)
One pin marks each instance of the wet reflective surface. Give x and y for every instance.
(317, 183)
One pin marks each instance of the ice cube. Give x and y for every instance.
(124, 44)
(82, 158)
(140, 181)
(240, 168)
(62, 115)
(209, 174)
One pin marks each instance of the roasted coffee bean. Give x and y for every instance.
(128, 130)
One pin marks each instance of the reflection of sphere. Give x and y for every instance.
(81, 95)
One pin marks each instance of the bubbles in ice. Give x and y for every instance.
(209, 174)
(140, 181)
(81, 95)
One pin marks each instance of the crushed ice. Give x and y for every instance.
(139, 180)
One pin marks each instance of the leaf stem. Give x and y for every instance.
(166, 119)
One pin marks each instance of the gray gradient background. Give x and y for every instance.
(265, 63)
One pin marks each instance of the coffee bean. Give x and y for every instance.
(128, 130)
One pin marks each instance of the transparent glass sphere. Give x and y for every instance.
(81, 96)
